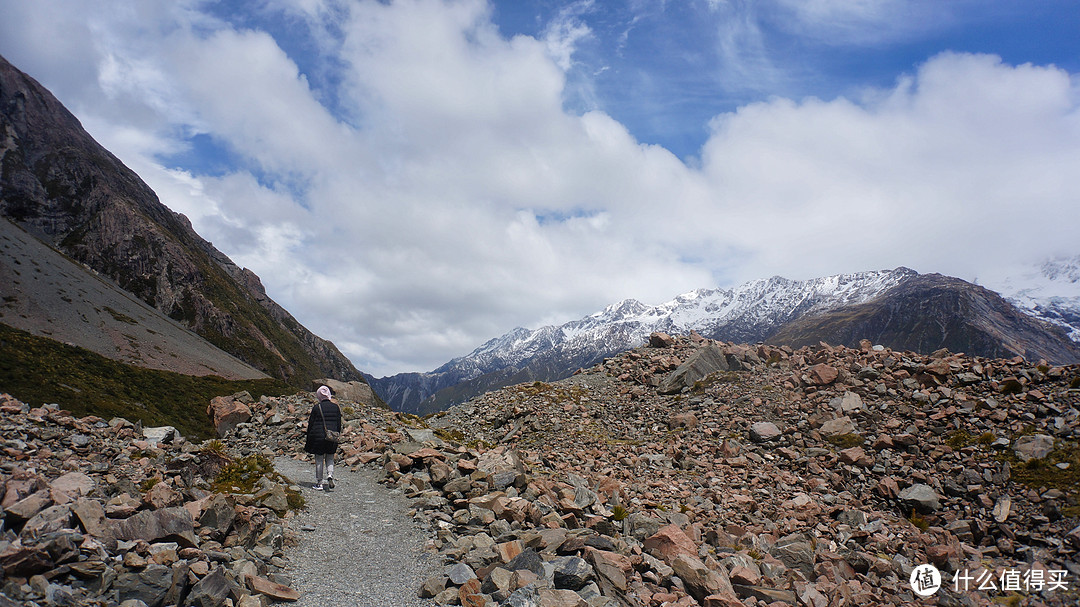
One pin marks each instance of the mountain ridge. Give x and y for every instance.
(749, 313)
(68, 191)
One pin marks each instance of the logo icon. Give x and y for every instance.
(925, 580)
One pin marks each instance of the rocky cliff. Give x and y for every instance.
(64, 188)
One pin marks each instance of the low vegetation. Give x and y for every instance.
(243, 475)
(1059, 470)
(37, 370)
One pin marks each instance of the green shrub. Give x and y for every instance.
(845, 441)
(215, 446)
(618, 513)
(918, 521)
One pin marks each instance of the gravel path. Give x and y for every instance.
(364, 551)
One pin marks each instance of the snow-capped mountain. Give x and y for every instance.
(1050, 291)
(747, 313)
(920, 312)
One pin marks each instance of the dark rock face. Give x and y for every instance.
(931, 311)
(60, 185)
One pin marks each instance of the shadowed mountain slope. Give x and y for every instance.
(62, 187)
(932, 311)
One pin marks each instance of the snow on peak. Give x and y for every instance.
(1049, 291)
(754, 308)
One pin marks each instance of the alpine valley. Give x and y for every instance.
(91, 262)
(898, 308)
(91, 258)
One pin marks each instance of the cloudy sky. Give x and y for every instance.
(412, 178)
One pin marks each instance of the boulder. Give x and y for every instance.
(161, 435)
(529, 560)
(838, 426)
(572, 572)
(682, 420)
(226, 412)
(49, 520)
(213, 590)
(699, 579)
(661, 340)
(921, 497)
(162, 495)
(822, 375)
(91, 516)
(669, 542)
(73, 484)
(848, 403)
(763, 432)
(149, 585)
(26, 508)
(1035, 446)
(19, 560)
(272, 590)
(701, 363)
(355, 391)
(219, 513)
(167, 524)
(797, 553)
(498, 460)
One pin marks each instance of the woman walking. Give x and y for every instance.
(325, 417)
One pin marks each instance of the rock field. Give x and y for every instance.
(685, 472)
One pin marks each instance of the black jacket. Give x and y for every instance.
(316, 437)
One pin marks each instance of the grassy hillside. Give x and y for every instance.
(37, 370)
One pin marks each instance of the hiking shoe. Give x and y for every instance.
(330, 483)
(317, 487)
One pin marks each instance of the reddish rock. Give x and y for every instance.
(162, 495)
(612, 566)
(19, 560)
(277, 592)
(669, 543)
(551, 597)
(682, 420)
(855, 456)
(722, 600)
(822, 374)
(74, 484)
(661, 340)
(744, 575)
(226, 412)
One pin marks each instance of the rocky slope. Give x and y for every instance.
(695, 472)
(106, 512)
(686, 472)
(61, 186)
(843, 309)
(46, 294)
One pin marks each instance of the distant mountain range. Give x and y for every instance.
(897, 308)
(1050, 291)
(91, 219)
